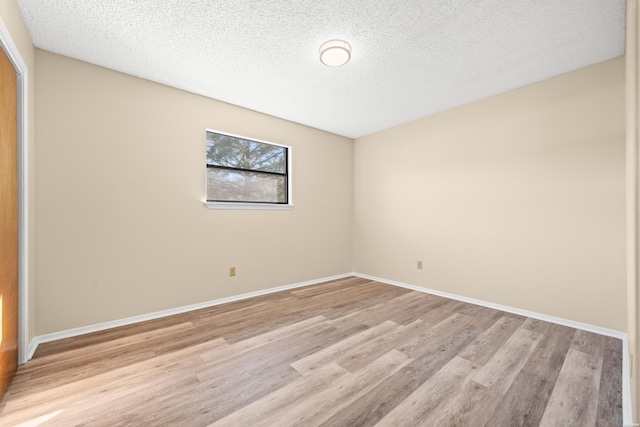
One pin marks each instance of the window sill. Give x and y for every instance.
(247, 206)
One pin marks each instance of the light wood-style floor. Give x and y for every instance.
(350, 352)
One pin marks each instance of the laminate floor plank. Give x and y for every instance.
(589, 343)
(369, 409)
(548, 357)
(524, 407)
(486, 345)
(579, 380)
(485, 317)
(359, 298)
(138, 379)
(610, 399)
(505, 365)
(351, 302)
(536, 325)
(101, 358)
(270, 337)
(287, 310)
(60, 346)
(68, 375)
(326, 287)
(332, 353)
(319, 407)
(102, 349)
(525, 402)
(219, 397)
(429, 338)
(283, 352)
(381, 311)
(359, 356)
(349, 352)
(442, 309)
(419, 308)
(418, 407)
(140, 405)
(473, 405)
(275, 405)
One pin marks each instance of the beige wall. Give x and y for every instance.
(12, 19)
(516, 200)
(122, 229)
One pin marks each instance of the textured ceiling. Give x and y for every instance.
(410, 58)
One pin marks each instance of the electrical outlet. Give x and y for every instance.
(419, 265)
(232, 271)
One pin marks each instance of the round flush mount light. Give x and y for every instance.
(335, 53)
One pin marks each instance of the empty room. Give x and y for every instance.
(356, 213)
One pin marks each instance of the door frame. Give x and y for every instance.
(22, 113)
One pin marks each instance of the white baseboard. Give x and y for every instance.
(33, 346)
(544, 317)
(69, 333)
(626, 377)
(626, 386)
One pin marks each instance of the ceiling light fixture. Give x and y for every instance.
(335, 53)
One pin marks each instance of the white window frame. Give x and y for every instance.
(247, 205)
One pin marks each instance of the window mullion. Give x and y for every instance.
(246, 170)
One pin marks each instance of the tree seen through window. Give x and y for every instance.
(243, 170)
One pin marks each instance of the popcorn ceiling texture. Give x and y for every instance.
(410, 58)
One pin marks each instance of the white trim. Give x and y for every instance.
(626, 379)
(69, 333)
(533, 315)
(10, 48)
(632, 179)
(626, 385)
(33, 346)
(248, 206)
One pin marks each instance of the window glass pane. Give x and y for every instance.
(225, 185)
(233, 152)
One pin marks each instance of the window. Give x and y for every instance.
(245, 173)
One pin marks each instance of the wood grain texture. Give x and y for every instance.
(536, 380)
(578, 381)
(8, 223)
(609, 401)
(342, 353)
(502, 369)
(419, 407)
